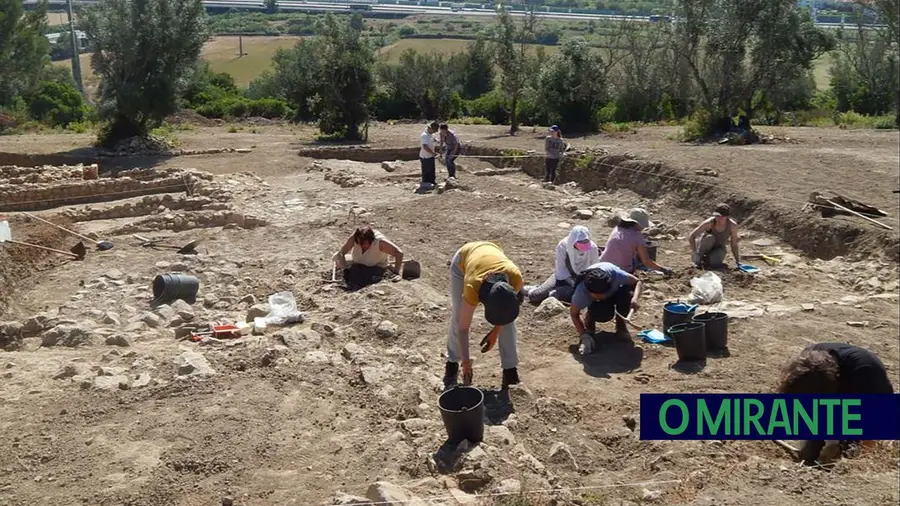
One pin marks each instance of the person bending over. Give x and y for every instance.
(833, 369)
(627, 247)
(480, 273)
(370, 253)
(605, 291)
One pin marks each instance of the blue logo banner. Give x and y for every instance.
(769, 416)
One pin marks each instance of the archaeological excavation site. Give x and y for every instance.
(174, 330)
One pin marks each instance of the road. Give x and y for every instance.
(401, 9)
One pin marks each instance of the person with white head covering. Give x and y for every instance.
(574, 254)
(626, 247)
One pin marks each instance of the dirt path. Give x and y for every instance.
(304, 412)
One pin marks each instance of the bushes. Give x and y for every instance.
(491, 105)
(57, 104)
(240, 107)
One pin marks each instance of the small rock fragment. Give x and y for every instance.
(191, 363)
(584, 214)
(549, 308)
(389, 494)
(118, 340)
(387, 329)
(257, 311)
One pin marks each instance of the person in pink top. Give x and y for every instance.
(626, 247)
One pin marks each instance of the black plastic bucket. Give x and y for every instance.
(716, 330)
(675, 313)
(171, 287)
(462, 410)
(690, 340)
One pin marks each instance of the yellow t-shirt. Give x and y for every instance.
(477, 260)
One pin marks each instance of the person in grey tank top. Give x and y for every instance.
(554, 149)
(711, 238)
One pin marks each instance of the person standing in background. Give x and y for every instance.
(427, 156)
(554, 148)
(452, 147)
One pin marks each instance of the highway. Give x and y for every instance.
(290, 5)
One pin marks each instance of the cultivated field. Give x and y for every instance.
(329, 406)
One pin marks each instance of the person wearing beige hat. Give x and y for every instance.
(626, 247)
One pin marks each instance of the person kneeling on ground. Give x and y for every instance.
(627, 246)
(833, 369)
(605, 291)
(574, 254)
(714, 234)
(370, 252)
(481, 273)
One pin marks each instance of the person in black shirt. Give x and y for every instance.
(836, 369)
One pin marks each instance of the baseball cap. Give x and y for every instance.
(554, 128)
(501, 301)
(639, 216)
(722, 210)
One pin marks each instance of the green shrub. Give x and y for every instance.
(57, 104)
(698, 127)
(608, 113)
(491, 105)
(240, 107)
(472, 120)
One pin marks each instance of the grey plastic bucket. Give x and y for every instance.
(171, 287)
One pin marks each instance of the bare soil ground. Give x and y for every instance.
(328, 406)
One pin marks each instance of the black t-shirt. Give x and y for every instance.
(861, 371)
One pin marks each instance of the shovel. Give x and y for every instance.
(101, 245)
(77, 252)
(627, 320)
(188, 249)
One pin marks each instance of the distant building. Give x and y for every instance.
(82, 38)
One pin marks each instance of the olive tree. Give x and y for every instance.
(143, 51)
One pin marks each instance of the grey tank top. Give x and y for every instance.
(721, 237)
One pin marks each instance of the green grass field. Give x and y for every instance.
(222, 55)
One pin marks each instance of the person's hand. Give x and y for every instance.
(587, 344)
(467, 372)
(396, 278)
(635, 305)
(667, 271)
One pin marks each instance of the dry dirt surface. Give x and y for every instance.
(102, 405)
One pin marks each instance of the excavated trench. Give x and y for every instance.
(598, 169)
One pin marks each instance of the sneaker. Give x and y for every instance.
(510, 377)
(451, 374)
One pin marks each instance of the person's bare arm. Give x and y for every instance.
(701, 228)
(644, 256)
(391, 249)
(638, 288)
(735, 243)
(463, 324)
(575, 314)
(339, 257)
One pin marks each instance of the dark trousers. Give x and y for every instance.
(428, 170)
(550, 165)
(450, 162)
(603, 311)
(357, 276)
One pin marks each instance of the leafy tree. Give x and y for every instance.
(421, 79)
(24, 51)
(738, 48)
(477, 69)
(517, 66)
(329, 77)
(573, 84)
(143, 51)
(864, 76)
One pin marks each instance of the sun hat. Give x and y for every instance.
(639, 216)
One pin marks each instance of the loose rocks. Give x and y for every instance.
(549, 308)
(257, 311)
(387, 330)
(191, 363)
(388, 494)
(67, 335)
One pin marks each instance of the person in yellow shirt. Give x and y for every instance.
(480, 273)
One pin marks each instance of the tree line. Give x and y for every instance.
(722, 58)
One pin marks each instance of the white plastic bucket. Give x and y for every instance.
(5, 234)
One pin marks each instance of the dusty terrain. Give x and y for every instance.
(330, 406)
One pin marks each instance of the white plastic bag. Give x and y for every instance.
(282, 310)
(707, 289)
(5, 234)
